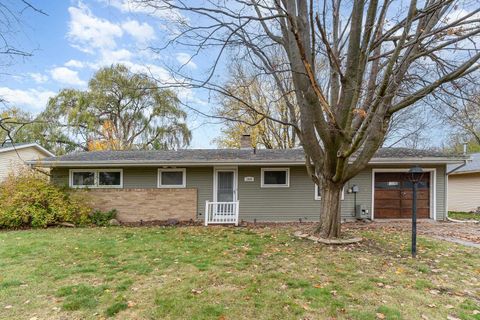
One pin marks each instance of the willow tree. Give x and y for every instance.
(120, 110)
(353, 65)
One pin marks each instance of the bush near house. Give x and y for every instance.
(102, 218)
(28, 199)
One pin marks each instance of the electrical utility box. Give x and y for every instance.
(361, 212)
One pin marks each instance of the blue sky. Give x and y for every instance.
(78, 37)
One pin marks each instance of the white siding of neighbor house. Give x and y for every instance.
(13, 161)
(464, 192)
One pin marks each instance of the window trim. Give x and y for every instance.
(262, 178)
(175, 186)
(96, 179)
(317, 197)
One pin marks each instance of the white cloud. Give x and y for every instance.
(115, 56)
(185, 60)
(157, 72)
(32, 99)
(139, 7)
(38, 77)
(66, 76)
(142, 32)
(87, 32)
(74, 64)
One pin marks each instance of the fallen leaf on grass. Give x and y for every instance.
(380, 315)
(196, 291)
(449, 317)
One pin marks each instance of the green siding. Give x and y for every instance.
(297, 201)
(277, 204)
(59, 176)
(364, 196)
(441, 192)
(202, 179)
(270, 204)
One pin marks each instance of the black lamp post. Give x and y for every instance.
(416, 174)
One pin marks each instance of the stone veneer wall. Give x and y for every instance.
(134, 205)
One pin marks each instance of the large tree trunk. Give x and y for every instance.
(329, 226)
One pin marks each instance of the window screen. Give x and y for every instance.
(275, 177)
(84, 178)
(174, 178)
(109, 178)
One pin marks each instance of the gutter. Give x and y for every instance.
(459, 167)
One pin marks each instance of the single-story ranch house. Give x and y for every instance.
(464, 186)
(247, 184)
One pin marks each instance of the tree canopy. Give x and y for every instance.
(261, 122)
(120, 110)
(353, 65)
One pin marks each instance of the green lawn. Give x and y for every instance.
(464, 215)
(231, 273)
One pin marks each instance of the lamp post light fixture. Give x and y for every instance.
(416, 175)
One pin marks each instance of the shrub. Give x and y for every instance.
(28, 199)
(102, 218)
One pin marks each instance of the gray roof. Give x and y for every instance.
(471, 166)
(216, 156)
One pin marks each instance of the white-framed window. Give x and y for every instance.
(96, 178)
(275, 177)
(172, 178)
(318, 195)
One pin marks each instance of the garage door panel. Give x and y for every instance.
(394, 196)
(422, 213)
(420, 204)
(388, 213)
(387, 203)
(421, 195)
(387, 194)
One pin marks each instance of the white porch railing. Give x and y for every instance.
(221, 212)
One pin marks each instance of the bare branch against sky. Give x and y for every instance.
(353, 65)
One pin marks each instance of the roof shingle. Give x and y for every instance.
(226, 155)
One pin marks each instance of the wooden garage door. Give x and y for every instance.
(393, 195)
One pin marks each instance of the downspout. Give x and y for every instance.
(464, 161)
(459, 167)
(453, 170)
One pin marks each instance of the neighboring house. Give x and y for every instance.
(258, 185)
(14, 156)
(464, 185)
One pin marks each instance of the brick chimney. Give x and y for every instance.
(245, 142)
